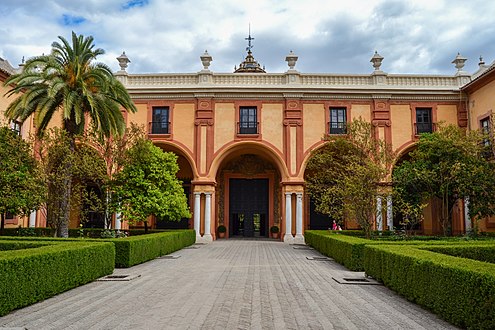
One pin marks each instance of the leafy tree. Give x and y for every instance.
(409, 196)
(112, 153)
(68, 82)
(344, 175)
(87, 170)
(22, 189)
(148, 185)
(448, 165)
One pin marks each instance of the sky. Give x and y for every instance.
(329, 36)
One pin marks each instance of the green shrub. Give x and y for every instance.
(19, 245)
(462, 291)
(473, 251)
(134, 250)
(348, 250)
(31, 275)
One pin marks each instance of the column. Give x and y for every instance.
(118, 219)
(299, 239)
(379, 218)
(288, 218)
(32, 219)
(390, 214)
(467, 218)
(207, 236)
(197, 214)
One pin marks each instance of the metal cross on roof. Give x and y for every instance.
(249, 38)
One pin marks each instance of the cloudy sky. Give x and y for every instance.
(420, 36)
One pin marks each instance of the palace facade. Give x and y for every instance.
(244, 138)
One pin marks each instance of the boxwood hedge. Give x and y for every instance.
(33, 274)
(132, 250)
(349, 250)
(462, 291)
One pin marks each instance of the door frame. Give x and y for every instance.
(226, 197)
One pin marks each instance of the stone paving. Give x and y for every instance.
(228, 284)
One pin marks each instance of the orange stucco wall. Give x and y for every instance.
(481, 102)
(314, 121)
(400, 116)
(224, 124)
(447, 114)
(271, 130)
(183, 127)
(361, 110)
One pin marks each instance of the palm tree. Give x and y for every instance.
(68, 82)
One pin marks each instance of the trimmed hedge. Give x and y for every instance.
(73, 232)
(346, 250)
(349, 250)
(31, 275)
(462, 291)
(131, 251)
(475, 252)
(19, 245)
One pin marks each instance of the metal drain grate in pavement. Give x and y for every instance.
(302, 247)
(356, 280)
(118, 278)
(169, 257)
(319, 258)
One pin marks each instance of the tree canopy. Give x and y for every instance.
(344, 175)
(22, 188)
(449, 164)
(147, 185)
(70, 83)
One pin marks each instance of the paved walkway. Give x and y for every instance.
(228, 284)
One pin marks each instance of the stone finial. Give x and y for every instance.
(123, 61)
(206, 60)
(291, 60)
(459, 62)
(377, 61)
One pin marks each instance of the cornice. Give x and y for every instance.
(307, 96)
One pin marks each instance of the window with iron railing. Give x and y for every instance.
(16, 127)
(338, 121)
(485, 129)
(160, 121)
(248, 123)
(424, 122)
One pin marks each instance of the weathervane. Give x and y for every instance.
(248, 48)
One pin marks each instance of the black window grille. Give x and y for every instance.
(338, 121)
(424, 123)
(16, 127)
(160, 121)
(485, 129)
(248, 123)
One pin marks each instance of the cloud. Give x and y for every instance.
(169, 35)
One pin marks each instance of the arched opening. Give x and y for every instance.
(399, 222)
(248, 192)
(186, 176)
(315, 220)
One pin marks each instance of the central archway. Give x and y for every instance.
(248, 194)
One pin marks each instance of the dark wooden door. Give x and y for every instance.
(248, 207)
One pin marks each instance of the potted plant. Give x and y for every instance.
(274, 230)
(221, 231)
